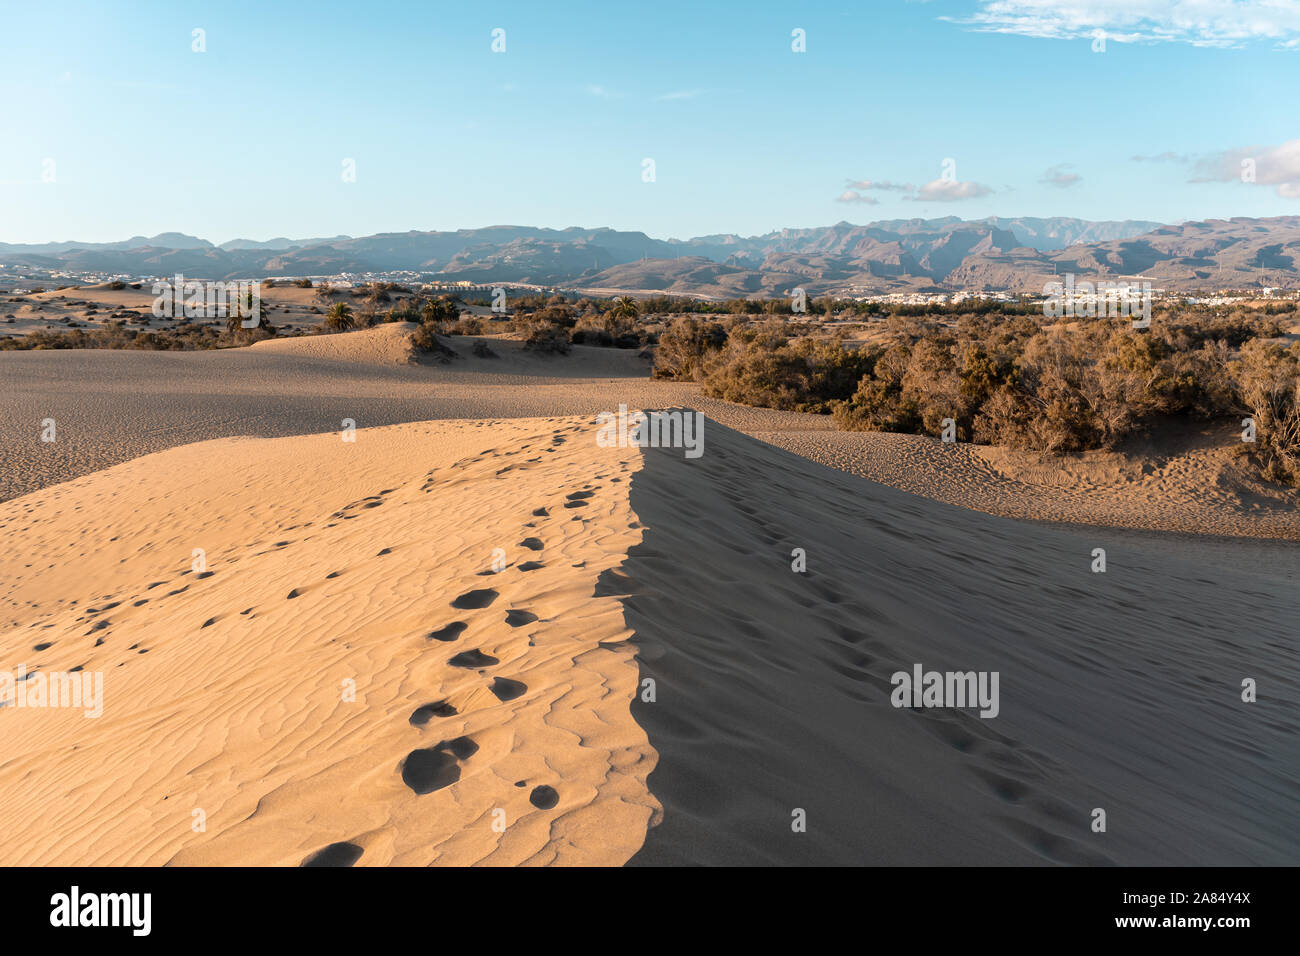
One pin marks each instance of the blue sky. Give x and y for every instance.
(248, 138)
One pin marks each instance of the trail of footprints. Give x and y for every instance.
(426, 769)
(430, 769)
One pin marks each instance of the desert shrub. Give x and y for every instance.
(587, 335)
(878, 404)
(425, 339)
(186, 336)
(116, 285)
(545, 337)
(684, 346)
(1268, 382)
(765, 367)
(303, 283)
(441, 312)
(557, 313)
(483, 350)
(467, 325)
(615, 327)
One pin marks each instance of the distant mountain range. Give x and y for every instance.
(1020, 254)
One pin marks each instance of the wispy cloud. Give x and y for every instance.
(1060, 176)
(601, 92)
(1166, 157)
(878, 184)
(939, 190)
(680, 95)
(1205, 23)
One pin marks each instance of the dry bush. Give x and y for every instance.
(425, 339)
(765, 367)
(1268, 381)
(546, 337)
(684, 346)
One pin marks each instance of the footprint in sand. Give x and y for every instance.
(520, 618)
(462, 747)
(532, 544)
(450, 632)
(336, 854)
(543, 797)
(507, 689)
(425, 771)
(531, 566)
(473, 600)
(433, 768)
(439, 708)
(473, 659)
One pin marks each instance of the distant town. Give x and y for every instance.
(26, 280)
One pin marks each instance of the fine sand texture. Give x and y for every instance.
(501, 643)
(390, 653)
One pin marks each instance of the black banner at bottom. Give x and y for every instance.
(214, 905)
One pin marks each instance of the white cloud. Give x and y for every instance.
(950, 190)
(680, 95)
(1268, 166)
(1207, 23)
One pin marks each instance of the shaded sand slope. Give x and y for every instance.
(329, 562)
(1118, 690)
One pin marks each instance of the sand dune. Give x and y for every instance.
(327, 562)
(330, 561)
(388, 344)
(1119, 690)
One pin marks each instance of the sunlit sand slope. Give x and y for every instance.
(489, 721)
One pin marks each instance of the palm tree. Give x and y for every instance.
(339, 317)
(625, 307)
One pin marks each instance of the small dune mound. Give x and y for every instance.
(388, 344)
